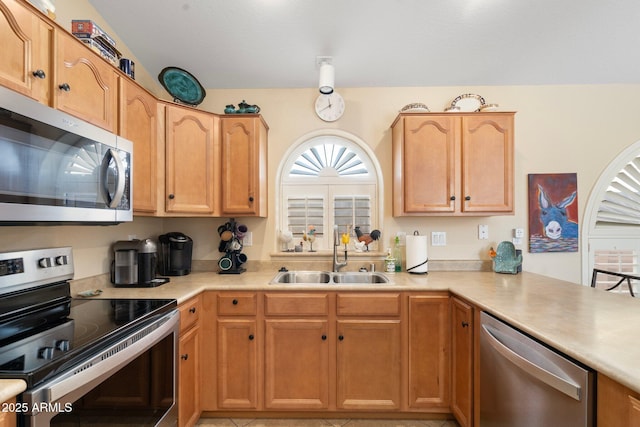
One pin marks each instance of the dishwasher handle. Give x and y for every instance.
(570, 389)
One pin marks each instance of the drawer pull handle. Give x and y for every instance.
(184, 356)
(234, 302)
(465, 324)
(192, 310)
(39, 74)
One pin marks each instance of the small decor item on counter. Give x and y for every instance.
(506, 259)
(397, 254)
(285, 236)
(243, 108)
(367, 238)
(416, 107)
(90, 293)
(231, 234)
(389, 262)
(182, 86)
(310, 237)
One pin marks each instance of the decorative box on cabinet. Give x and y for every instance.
(244, 165)
(453, 164)
(462, 371)
(86, 86)
(139, 118)
(189, 363)
(26, 42)
(192, 162)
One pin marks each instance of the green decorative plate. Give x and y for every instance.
(182, 85)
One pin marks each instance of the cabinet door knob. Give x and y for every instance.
(39, 74)
(340, 337)
(467, 198)
(192, 310)
(234, 302)
(251, 337)
(251, 198)
(172, 196)
(452, 198)
(65, 87)
(465, 324)
(324, 337)
(184, 356)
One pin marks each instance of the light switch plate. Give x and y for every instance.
(438, 238)
(247, 239)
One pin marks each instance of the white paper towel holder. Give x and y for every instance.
(416, 233)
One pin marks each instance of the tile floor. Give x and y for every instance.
(246, 422)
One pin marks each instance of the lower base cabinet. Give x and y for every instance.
(188, 363)
(617, 406)
(462, 331)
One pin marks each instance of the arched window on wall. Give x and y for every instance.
(611, 236)
(328, 178)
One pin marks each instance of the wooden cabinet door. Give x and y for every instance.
(189, 377)
(617, 405)
(296, 364)
(138, 122)
(429, 157)
(85, 85)
(237, 364)
(8, 418)
(244, 174)
(368, 364)
(429, 352)
(462, 362)
(487, 156)
(26, 42)
(191, 161)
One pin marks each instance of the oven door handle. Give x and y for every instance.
(108, 361)
(113, 201)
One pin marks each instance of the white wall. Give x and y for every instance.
(558, 129)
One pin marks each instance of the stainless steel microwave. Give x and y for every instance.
(56, 168)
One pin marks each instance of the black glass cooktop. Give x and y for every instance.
(91, 324)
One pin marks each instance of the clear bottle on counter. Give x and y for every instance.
(397, 254)
(389, 262)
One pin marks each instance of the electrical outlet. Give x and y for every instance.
(483, 232)
(518, 232)
(438, 238)
(247, 239)
(403, 237)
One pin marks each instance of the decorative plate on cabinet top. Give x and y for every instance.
(468, 102)
(416, 107)
(489, 107)
(182, 85)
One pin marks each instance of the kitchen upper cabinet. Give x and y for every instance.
(85, 86)
(238, 353)
(369, 351)
(429, 351)
(244, 165)
(139, 120)
(462, 361)
(192, 161)
(453, 164)
(27, 42)
(298, 342)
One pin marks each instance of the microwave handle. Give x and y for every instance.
(113, 201)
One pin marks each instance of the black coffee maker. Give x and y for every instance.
(175, 254)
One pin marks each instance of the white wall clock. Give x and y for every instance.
(330, 107)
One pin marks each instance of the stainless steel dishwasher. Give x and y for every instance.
(524, 383)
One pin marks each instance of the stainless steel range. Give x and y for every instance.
(84, 360)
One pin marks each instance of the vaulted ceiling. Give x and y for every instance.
(387, 43)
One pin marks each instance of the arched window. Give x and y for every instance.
(328, 178)
(611, 236)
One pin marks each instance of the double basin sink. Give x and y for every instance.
(328, 277)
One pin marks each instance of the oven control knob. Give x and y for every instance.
(61, 260)
(44, 262)
(62, 345)
(45, 353)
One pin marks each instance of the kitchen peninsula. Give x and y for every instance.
(589, 325)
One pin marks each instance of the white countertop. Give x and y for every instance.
(595, 327)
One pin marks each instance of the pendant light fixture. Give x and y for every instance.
(327, 75)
